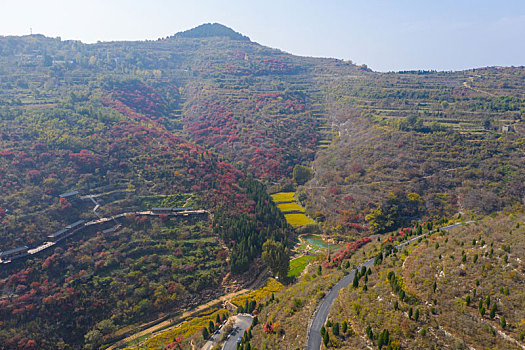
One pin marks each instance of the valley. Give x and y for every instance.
(152, 190)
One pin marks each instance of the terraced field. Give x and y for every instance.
(293, 212)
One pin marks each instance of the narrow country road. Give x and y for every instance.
(242, 323)
(321, 314)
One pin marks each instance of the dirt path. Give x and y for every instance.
(467, 85)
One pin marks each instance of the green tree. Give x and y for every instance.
(205, 333)
(106, 327)
(335, 329)
(369, 333)
(416, 315)
(301, 174)
(344, 327)
(503, 322)
(93, 339)
(326, 339)
(493, 310)
(277, 257)
(363, 270)
(383, 339)
(355, 283)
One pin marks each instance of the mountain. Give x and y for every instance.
(210, 30)
(209, 123)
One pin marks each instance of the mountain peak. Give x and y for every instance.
(209, 30)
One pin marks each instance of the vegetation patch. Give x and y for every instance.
(283, 197)
(184, 332)
(272, 286)
(297, 220)
(286, 207)
(298, 265)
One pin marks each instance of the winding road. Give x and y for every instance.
(321, 314)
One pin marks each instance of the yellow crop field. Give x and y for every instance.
(297, 220)
(270, 287)
(289, 207)
(185, 330)
(283, 197)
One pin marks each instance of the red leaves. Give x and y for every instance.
(334, 191)
(164, 217)
(64, 204)
(189, 268)
(350, 249)
(47, 262)
(86, 160)
(268, 328)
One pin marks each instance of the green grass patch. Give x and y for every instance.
(298, 265)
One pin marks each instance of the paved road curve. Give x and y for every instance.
(321, 314)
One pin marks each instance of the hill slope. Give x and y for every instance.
(180, 122)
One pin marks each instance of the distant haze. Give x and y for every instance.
(385, 35)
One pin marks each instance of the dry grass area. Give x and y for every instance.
(483, 262)
(291, 311)
(444, 320)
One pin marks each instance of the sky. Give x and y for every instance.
(386, 35)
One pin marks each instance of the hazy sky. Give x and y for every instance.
(385, 35)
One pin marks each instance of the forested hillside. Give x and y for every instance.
(420, 145)
(207, 122)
